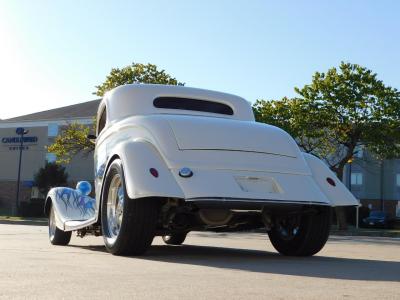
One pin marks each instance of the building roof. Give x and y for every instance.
(80, 110)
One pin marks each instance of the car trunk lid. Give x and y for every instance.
(207, 133)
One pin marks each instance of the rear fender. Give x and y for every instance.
(337, 194)
(138, 157)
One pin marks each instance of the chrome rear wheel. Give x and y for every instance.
(128, 225)
(115, 207)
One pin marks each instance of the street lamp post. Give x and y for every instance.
(21, 132)
(350, 161)
(382, 182)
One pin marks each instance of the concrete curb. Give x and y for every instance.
(373, 233)
(24, 221)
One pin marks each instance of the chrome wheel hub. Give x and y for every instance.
(115, 207)
(289, 228)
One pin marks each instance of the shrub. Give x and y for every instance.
(51, 175)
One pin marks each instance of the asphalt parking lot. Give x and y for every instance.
(209, 266)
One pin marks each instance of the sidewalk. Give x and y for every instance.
(352, 231)
(23, 221)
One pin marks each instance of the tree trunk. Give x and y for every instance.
(341, 217)
(340, 210)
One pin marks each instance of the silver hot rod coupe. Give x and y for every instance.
(170, 160)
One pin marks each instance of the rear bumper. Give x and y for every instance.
(248, 203)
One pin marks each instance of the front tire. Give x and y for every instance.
(301, 235)
(128, 225)
(57, 236)
(175, 238)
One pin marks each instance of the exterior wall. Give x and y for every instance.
(81, 168)
(379, 182)
(33, 155)
(33, 158)
(8, 190)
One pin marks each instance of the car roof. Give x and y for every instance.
(137, 99)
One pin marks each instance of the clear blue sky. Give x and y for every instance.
(53, 53)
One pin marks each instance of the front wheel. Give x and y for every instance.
(128, 225)
(57, 236)
(301, 235)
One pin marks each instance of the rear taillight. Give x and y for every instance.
(154, 172)
(331, 181)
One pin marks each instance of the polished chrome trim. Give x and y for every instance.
(253, 200)
(236, 150)
(115, 207)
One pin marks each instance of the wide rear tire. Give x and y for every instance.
(304, 236)
(57, 236)
(128, 225)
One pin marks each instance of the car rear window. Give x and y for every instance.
(192, 104)
(377, 214)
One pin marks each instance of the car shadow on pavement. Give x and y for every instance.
(273, 263)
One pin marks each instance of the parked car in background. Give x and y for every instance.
(378, 219)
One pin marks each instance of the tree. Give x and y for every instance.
(73, 139)
(339, 112)
(51, 175)
(135, 73)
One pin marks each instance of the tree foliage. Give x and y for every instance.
(339, 112)
(51, 175)
(135, 73)
(73, 139)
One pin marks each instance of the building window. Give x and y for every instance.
(356, 178)
(398, 179)
(51, 157)
(52, 130)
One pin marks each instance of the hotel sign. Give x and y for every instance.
(17, 140)
(14, 143)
